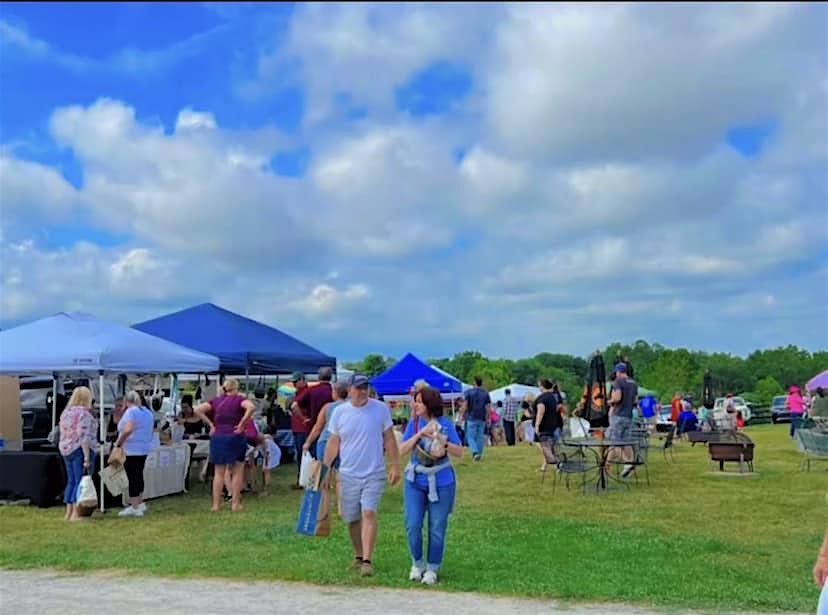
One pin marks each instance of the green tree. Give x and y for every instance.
(766, 389)
(789, 365)
(495, 374)
(674, 371)
(373, 365)
(526, 371)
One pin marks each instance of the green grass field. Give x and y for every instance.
(688, 540)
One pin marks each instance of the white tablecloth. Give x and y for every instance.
(165, 471)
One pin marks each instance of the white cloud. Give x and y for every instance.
(324, 299)
(389, 191)
(583, 82)
(189, 119)
(129, 61)
(596, 199)
(32, 194)
(366, 50)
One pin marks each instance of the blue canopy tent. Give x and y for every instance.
(80, 343)
(399, 379)
(242, 345)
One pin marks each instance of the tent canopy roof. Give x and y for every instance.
(818, 381)
(519, 391)
(399, 379)
(239, 342)
(74, 343)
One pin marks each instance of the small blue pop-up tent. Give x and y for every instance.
(399, 379)
(241, 344)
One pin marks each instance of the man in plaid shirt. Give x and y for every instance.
(510, 409)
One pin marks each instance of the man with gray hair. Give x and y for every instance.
(361, 433)
(318, 397)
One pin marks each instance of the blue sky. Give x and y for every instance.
(385, 178)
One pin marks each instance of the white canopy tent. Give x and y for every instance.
(80, 344)
(519, 391)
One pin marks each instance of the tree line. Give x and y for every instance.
(759, 376)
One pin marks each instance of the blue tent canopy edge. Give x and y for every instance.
(240, 343)
(399, 379)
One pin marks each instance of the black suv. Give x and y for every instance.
(36, 408)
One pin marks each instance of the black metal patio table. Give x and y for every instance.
(601, 448)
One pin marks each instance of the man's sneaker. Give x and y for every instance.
(367, 569)
(357, 565)
(476, 457)
(143, 507)
(628, 469)
(129, 511)
(416, 574)
(430, 578)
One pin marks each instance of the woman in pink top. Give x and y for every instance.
(78, 445)
(230, 414)
(796, 406)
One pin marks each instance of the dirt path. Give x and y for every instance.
(54, 592)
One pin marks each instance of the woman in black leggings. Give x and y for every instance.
(135, 431)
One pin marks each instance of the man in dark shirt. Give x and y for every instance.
(511, 405)
(478, 409)
(624, 395)
(299, 419)
(548, 421)
(317, 397)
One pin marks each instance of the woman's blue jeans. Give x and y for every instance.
(416, 507)
(74, 473)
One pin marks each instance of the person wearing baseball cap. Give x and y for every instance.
(360, 431)
(623, 399)
(299, 420)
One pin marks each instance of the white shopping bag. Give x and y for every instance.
(87, 494)
(578, 427)
(305, 470)
(115, 479)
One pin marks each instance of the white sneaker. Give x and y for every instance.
(143, 507)
(129, 511)
(416, 574)
(430, 578)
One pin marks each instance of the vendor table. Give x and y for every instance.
(165, 471)
(38, 477)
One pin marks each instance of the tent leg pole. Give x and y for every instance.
(103, 432)
(54, 400)
(173, 399)
(247, 380)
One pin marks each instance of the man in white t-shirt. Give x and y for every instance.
(360, 430)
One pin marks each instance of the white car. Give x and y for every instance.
(739, 404)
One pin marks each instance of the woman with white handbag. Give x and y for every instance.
(135, 436)
(78, 445)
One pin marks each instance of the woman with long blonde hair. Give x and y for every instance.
(78, 445)
(230, 413)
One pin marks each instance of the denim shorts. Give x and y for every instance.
(620, 428)
(360, 495)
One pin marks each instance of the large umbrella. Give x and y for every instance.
(595, 394)
(820, 381)
(707, 392)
